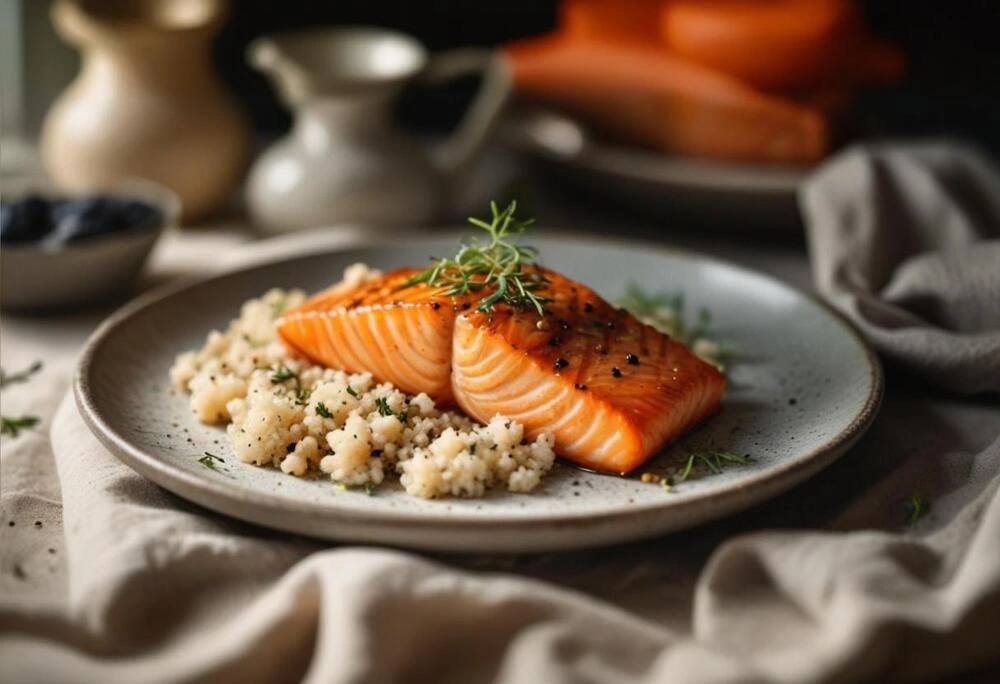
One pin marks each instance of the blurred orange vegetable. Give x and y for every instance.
(602, 20)
(752, 80)
(778, 45)
(651, 97)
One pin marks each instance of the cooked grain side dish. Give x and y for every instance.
(280, 410)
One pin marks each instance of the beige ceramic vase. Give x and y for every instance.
(146, 103)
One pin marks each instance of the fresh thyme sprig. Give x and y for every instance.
(494, 269)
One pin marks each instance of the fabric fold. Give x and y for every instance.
(905, 240)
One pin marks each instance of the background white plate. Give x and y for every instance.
(803, 388)
(713, 193)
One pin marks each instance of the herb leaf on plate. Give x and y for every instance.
(713, 460)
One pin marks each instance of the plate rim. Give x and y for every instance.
(730, 498)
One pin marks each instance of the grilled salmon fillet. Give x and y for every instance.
(611, 389)
(399, 334)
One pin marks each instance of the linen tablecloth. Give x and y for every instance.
(105, 577)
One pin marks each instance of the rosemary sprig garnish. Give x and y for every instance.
(494, 269)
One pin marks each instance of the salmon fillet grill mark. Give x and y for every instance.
(612, 390)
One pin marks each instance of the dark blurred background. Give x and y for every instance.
(952, 86)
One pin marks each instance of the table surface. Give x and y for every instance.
(31, 516)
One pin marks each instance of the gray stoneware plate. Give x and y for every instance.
(803, 388)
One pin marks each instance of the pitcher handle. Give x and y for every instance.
(466, 141)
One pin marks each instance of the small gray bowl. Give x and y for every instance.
(96, 269)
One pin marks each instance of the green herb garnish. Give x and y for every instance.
(13, 426)
(368, 487)
(385, 410)
(700, 329)
(643, 305)
(278, 307)
(323, 411)
(208, 460)
(494, 269)
(353, 392)
(652, 307)
(917, 507)
(715, 460)
(282, 374)
(302, 397)
(22, 376)
(665, 312)
(383, 407)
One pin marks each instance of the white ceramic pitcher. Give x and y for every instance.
(343, 160)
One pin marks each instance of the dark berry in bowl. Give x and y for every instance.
(81, 219)
(27, 220)
(61, 251)
(58, 222)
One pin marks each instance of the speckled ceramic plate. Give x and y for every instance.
(803, 388)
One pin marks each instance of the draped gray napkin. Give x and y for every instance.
(162, 591)
(906, 242)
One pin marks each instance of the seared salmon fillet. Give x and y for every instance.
(611, 389)
(398, 334)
